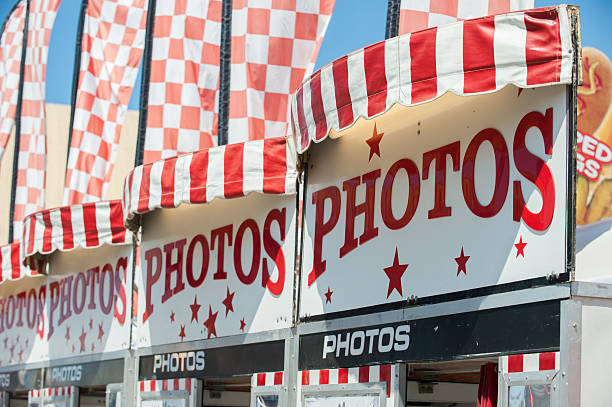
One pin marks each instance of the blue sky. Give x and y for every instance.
(354, 24)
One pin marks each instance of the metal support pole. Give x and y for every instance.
(291, 367)
(130, 380)
(570, 353)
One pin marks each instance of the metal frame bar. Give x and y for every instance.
(570, 352)
(278, 390)
(506, 380)
(193, 400)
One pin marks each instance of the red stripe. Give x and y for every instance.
(91, 228)
(47, 232)
(116, 222)
(67, 235)
(274, 165)
(278, 378)
(32, 234)
(301, 120)
(316, 102)
(177, 384)
(515, 363)
(188, 384)
(385, 376)
(376, 79)
(198, 170)
(342, 375)
(164, 385)
(261, 379)
(69, 390)
(15, 260)
(543, 46)
(305, 377)
(152, 385)
(324, 376)
(142, 386)
(478, 62)
(344, 104)
(364, 374)
(423, 65)
(143, 194)
(547, 361)
(167, 183)
(232, 170)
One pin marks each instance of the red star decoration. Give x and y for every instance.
(100, 332)
(242, 324)
(73, 348)
(461, 260)
(90, 323)
(228, 302)
(82, 339)
(182, 333)
(395, 273)
(92, 347)
(6, 342)
(374, 143)
(172, 317)
(20, 355)
(520, 247)
(195, 307)
(67, 336)
(210, 322)
(12, 351)
(328, 295)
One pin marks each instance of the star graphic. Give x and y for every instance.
(82, 339)
(195, 307)
(395, 273)
(461, 260)
(182, 333)
(90, 323)
(520, 247)
(12, 351)
(374, 143)
(328, 295)
(100, 332)
(228, 302)
(242, 324)
(172, 317)
(20, 355)
(210, 322)
(92, 347)
(67, 336)
(6, 342)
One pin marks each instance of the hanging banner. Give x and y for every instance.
(449, 196)
(594, 167)
(213, 270)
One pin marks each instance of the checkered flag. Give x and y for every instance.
(418, 15)
(274, 46)
(184, 78)
(30, 189)
(112, 45)
(11, 44)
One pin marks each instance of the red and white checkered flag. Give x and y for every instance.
(11, 44)
(274, 46)
(184, 79)
(30, 191)
(418, 15)
(112, 46)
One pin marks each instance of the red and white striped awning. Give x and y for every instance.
(10, 261)
(265, 166)
(527, 49)
(67, 228)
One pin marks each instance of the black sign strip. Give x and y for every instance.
(226, 361)
(517, 329)
(85, 374)
(440, 298)
(21, 380)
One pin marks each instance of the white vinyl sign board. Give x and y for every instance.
(366, 400)
(452, 195)
(82, 307)
(213, 270)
